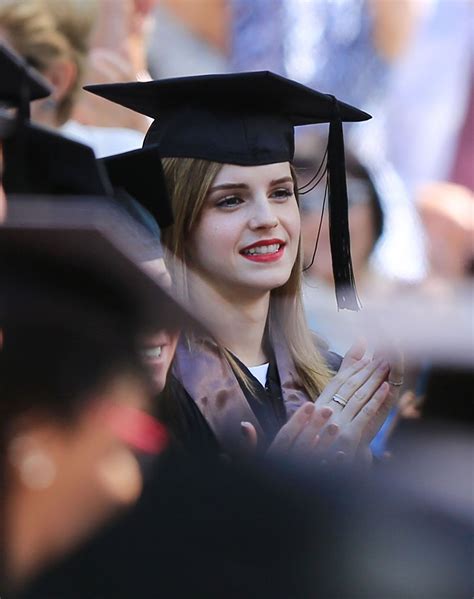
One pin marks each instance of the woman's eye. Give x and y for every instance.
(229, 202)
(282, 193)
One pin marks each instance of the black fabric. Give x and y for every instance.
(266, 402)
(189, 430)
(39, 161)
(82, 269)
(208, 530)
(140, 174)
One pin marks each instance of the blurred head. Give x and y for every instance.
(447, 213)
(53, 36)
(66, 468)
(365, 216)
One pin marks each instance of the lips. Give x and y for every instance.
(265, 250)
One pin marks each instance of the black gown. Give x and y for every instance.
(190, 430)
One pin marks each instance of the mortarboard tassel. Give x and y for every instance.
(346, 294)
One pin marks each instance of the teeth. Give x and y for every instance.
(152, 353)
(263, 249)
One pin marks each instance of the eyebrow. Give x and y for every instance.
(245, 186)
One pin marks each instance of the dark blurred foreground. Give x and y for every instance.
(208, 529)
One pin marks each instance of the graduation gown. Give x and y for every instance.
(205, 401)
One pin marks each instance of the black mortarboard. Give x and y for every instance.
(248, 119)
(19, 84)
(39, 161)
(140, 174)
(86, 274)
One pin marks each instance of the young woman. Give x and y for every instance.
(235, 256)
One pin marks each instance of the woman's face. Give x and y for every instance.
(248, 232)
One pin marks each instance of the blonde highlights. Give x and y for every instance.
(44, 31)
(189, 181)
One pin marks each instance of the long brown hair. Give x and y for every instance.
(189, 181)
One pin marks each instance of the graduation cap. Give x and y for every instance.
(248, 119)
(40, 161)
(19, 84)
(140, 174)
(77, 273)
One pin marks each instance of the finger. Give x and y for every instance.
(290, 431)
(371, 408)
(397, 368)
(355, 353)
(338, 380)
(363, 394)
(327, 438)
(306, 439)
(353, 387)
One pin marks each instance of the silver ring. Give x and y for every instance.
(340, 400)
(395, 384)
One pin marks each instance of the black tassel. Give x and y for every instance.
(346, 294)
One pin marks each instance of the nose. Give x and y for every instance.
(263, 215)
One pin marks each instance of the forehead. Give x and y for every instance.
(252, 175)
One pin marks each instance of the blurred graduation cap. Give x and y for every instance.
(41, 162)
(248, 119)
(19, 84)
(139, 173)
(77, 272)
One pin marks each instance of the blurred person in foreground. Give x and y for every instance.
(54, 36)
(209, 528)
(70, 416)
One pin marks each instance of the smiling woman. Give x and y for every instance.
(235, 257)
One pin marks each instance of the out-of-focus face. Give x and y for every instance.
(158, 351)
(247, 236)
(361, 228)
(158, 348)
(68, 478)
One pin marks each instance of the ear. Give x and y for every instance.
(62, 74)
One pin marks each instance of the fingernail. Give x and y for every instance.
(309, 408)
(333, 428)
(326, 412)
(340, 457)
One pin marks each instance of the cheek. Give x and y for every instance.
(212, 239)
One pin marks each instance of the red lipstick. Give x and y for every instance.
(271, 254)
